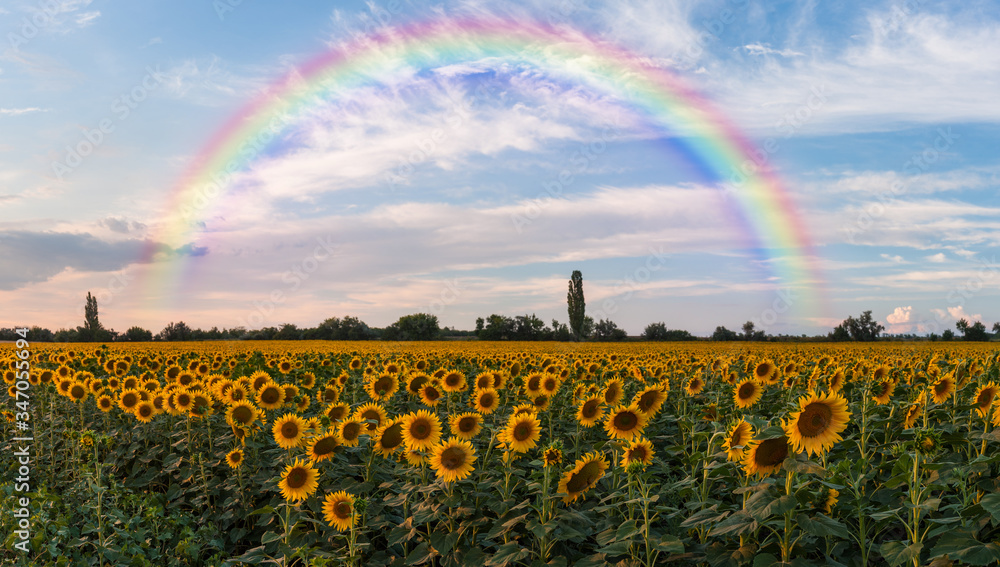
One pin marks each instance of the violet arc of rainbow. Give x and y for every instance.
(660, 96)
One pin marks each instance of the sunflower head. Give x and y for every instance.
(765, 457)
(588, 470)
(625, 422)
(289, 431)
(421, 430)
(338, 510)
(816, 427)
(639, 452)
(737, 438)
(299, 481)
(234, 458)
(465, 426)
(452, 460)
(522, 432)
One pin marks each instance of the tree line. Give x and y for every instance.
(425, 327)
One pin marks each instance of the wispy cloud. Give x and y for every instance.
(758, 49)
(20, 111)
(85, 19)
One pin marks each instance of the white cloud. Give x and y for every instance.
(758, 49)
(900, 315)
(937, 258)
(85, 19)
(895, 259)
(20, 111)
(957, 313)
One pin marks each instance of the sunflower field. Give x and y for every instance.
(375, 453)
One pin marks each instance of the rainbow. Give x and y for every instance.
(708, 140)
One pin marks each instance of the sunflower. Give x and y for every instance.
(234, 458)
(430, 394)
(388, 438)
(453, 381)
(552, 455)
(338, 510)
(766, 372)
(550, 385)
(764, 458)
(747, 392)
(371, 412)
(270, 396)
(625, 422)
(816, 427)
(382, 387)
(640, 451)
(350, 430)
(533, 384)
(416, 383)
(737, 438)
(541, 402)
(128, 400)
(522, 432)
(591, 411)
(882, 391)
(912, 413)
(694, 386)
(943, 388)
(881, 372)
(421, 430)
(337, 412)
(258, 379)
(299, 481)
(486, 400)
(105, 403)
(144, 412)
(588, 470)
(827, 500)
(985, 397)
(452, 460)
(613, 392)
(78, 392)
(650, 399)
(465, 426)
(321, 447)
(329, 394)
(289, 431)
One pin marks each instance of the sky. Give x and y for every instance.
(404, 194)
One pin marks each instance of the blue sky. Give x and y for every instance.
(891, 161)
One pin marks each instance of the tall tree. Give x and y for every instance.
(576, 304)
(92, 329)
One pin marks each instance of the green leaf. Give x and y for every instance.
(507, 554)
(670, 544)
(962, 545)
(991, 503)
(762, 505)
(822, 526)
(897, 552)
(420, 555)
(271, 537)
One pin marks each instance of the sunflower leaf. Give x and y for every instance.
(822, 526)
(897, 552)
(991, 503)
(962, 545)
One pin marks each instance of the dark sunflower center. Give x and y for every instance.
(297, 477)
(420, 430)
(290, 430)
(815, 419)
(236, 457)
(145, 411)
(467, 424)
(383, 384)
(747, 391)
(533, 382)
(324, 446)
(522, 431)
(129, 400)
(486, 400)
(637, 454)
(942, 387)
(589, 409)
(432, 394)
(269, 396)
(737, 438)
(392, 437)
(342, 510)
(452, 458)
(242, 414)
(351, 431)
(626, 421)
(372, 414)
(647, 400)
(582, 480)
(771, 452)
